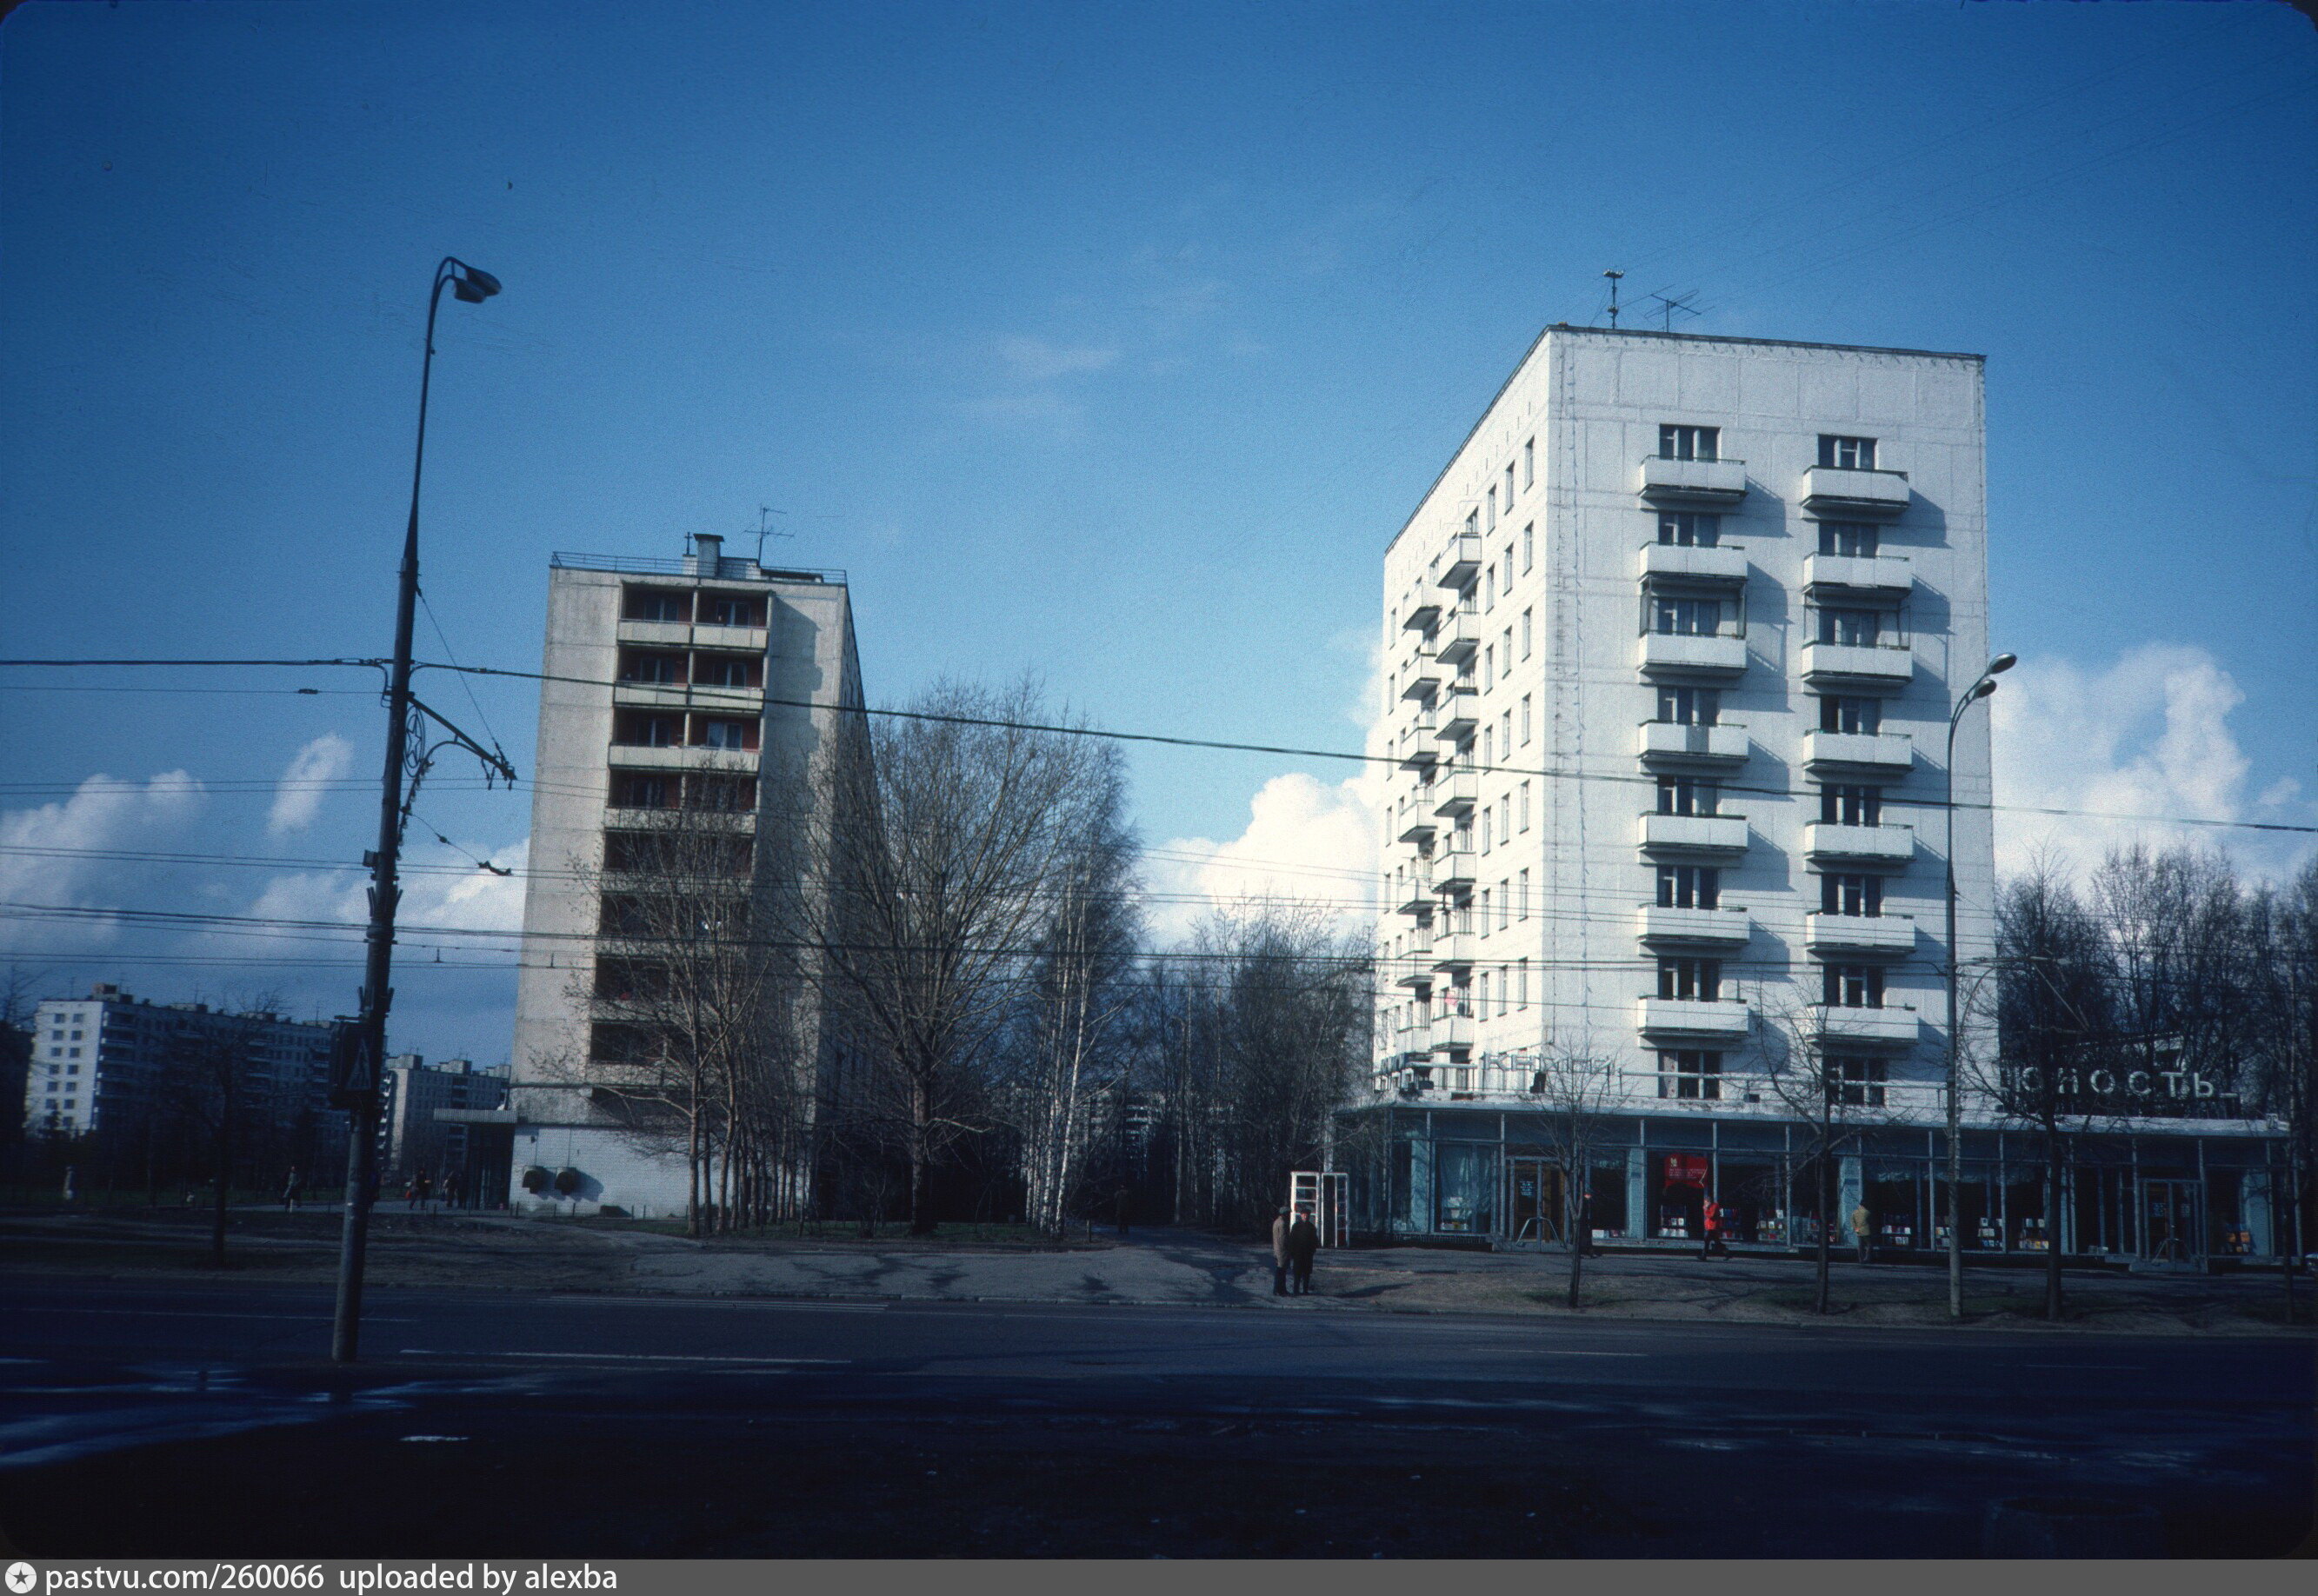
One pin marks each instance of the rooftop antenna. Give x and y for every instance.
(1614, 274)
(764, 528)
(1667, 307)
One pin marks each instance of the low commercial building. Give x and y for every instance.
(449, 1121)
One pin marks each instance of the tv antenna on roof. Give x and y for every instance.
(1667, 307)
(1614, 274)
(764, 528)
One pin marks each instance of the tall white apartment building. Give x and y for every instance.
(1671, 649)
(670, 683)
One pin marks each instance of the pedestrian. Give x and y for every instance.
(1710, 1219)
(1123, 1206)
(451, 1190)
(1862, 1229)
(1303, 1246)
(290, 1189)
(1280, 1228)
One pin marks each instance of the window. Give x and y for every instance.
(1522, 904)
(739, 736)
(1851, 806)
(1864, 716)
(1525, 719)
(1505, 908)
(1505, 732)
(1525, 615)
(633, 789)
(732, 609)
(1689, 443)
(1472, 522)
(1858, 629)
(1509, 486)
(1689, 707)
(1855, 986)
(1523, 990)
(1684, 794)
(1529, 545)
(1525, 806)
(1691, 886)
(656, 604)
(1528, 463)
(1687, 1074)
(1489, 587)
(1489, 666)
(1859, 1081)
(1690, 531)
(1484, 828)
(1486, 758)
(1844, 895)
(1693, 617)
(637, 665)
(728, 670)
(636, 729)
(1509, 570)
(1493, 509)
(1851, 539)
(1505, 648)
(1484, 916)
(1849, 454)
(1696, 981)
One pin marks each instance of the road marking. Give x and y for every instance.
(2114, 1369)
(711, 1301)
(621, 1356)
(203, 1314)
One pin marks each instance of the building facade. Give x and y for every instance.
(449, 1121)
(118, 1063)
(674, 688)
(1671, 646)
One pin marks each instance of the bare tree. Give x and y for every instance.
(2281, 946)
(1575, 1087)
(2174, 926)
(1830, 1095)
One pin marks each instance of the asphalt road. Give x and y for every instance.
(202, 1420)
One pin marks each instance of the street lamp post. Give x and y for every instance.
(472, 287)
(1979, 689)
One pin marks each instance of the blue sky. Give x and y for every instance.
(1106, 343)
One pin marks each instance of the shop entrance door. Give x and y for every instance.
(1535, 1201)
(2172, 1231)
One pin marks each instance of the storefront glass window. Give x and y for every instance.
(1468, 1183)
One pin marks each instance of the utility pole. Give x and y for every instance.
(360, 1090)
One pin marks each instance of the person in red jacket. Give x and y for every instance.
(1710, 1224)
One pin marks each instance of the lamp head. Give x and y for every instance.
(1995, 667)
(473, 285)
(1984, 689)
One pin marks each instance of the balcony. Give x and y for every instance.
(1688, 1019)
(1712, 483)
(1420, 679)
(1452, 1032)
(1418, 751)
(1664, 743)
(1694, 835)
(1422, 615)
(628, 755)
(1878, 935)
(1461, 562)
(1417, 897)
(1456, 792)
(1875, 753)
(1455, 639)
(1723, 565)
(749, 638)
(662, 634)
(1453, 870)
(1891, 847)
(1834, 493)
(1878, 1028)
(1694, 927)
(1886, 578)
(1414, 964)
(1455, 718)
(1858, 666)
(1418, 825)
(1454, 951)
(1673, 655)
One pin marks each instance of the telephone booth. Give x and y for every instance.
(1324, 1198)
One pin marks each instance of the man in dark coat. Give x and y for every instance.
(1303, 1246)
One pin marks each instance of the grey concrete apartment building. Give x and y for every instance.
(1671, 646)
(671, 683)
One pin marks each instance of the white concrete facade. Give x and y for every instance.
(762, 662)
(1670, 649)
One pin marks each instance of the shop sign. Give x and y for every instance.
(1685, 1168)
(2109, 1083)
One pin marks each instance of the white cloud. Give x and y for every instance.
(298, 796)
(44, 852)
(2147, 735)
(1305, 841)
(440, 887)
(1035, 360)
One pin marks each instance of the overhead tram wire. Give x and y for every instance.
(742, 695)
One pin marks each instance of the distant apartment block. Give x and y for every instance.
(450, 1122)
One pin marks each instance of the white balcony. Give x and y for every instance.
(749, 638)
(1664, 654)
(1889, 846)
(1455, 712)
(1454, 950)
(1452, 1032)
(1453, 870)
(1455, 640)
(1414, 964)
(1888, 578)
(1834, 493)
(1422, 615)
(1708, 482)
(1418, 825)
(1417, 749)
(636, 757)
(1876, 935)
(1456, 792)
(1420, 679)
(1878, 1028)
(1686, 1019)
(1416, 896)
(662, 634)
(1665, 743)
(1694, 835)
(1693, 928)
(1461, 562)
(652, 695)
(1723, 565)
(1858, 666)
(1875, 753)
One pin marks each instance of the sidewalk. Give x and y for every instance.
(1168, 1267)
